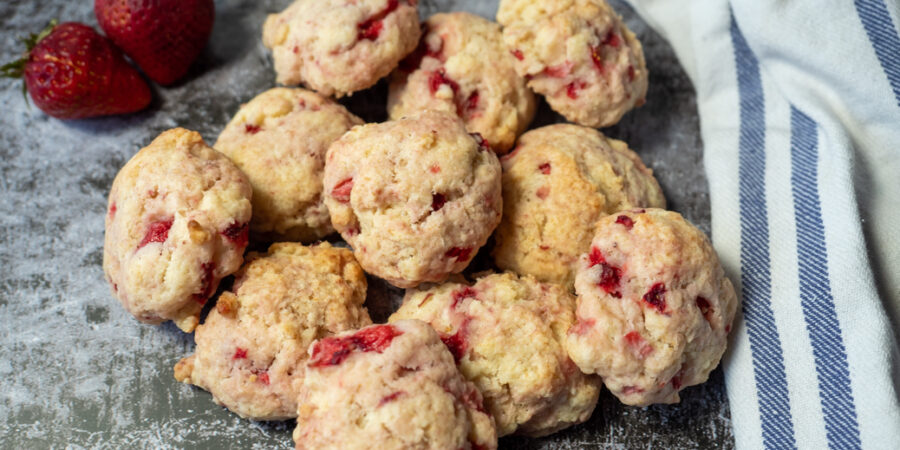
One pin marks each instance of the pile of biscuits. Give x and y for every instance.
(597, 285)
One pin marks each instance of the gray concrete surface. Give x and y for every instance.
(78, 372)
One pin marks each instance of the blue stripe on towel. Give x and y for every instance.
(877, 21)
(822, 324)
(765, 345)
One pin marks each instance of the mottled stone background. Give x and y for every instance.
(77, 371)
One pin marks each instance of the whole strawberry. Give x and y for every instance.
(72, 72)
(162, 36)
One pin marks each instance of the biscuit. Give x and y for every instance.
(462, 67)
(176, 224)
(252, 347)
(579, 55)
(507, 334)
(389, 387)
(336, 47)
(557, 183)
(279, 139)
(415, 198)
(654, 307)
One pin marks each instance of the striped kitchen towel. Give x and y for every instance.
(800, 114)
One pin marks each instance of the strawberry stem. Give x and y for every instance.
(16, 69)
(33, 39)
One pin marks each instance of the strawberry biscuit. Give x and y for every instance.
(415, 198)
(338, 47)
(252, 347)
(462, 67)
(279, 139)
(507, 334)
(176, 225)
(389, 387)
(557, 183)
(654, 307)
(579, 55)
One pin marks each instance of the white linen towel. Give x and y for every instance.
(800, 116)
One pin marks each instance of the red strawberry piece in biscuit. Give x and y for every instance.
(334, 350)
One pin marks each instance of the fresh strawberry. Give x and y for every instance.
(162, 36)
(72, 72)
